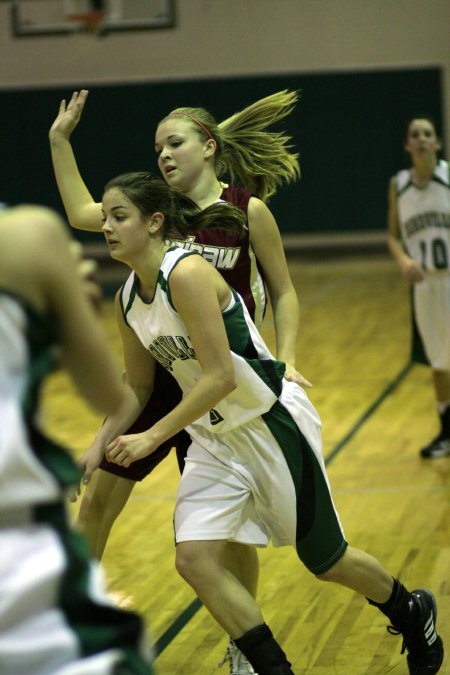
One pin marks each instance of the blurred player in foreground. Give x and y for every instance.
(54, 615)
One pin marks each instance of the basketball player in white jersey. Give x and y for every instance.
(254, 470)
(419, 239)
(54, 615)
(194, 152)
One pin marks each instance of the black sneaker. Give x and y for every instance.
(424, 645)
(439, 447)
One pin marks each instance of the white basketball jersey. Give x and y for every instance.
(424, 215)
(160, 329)
(33, 470)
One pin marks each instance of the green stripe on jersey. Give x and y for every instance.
(98, 627)
(320, 541)
(269, 370)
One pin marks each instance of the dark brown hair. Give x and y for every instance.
(151, 194)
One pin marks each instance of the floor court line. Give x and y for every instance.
(370, 410)
(186, 615)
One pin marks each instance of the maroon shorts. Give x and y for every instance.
(166, 395)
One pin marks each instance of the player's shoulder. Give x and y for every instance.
(236, 195)
(260, 217)
(402, 179)
(184, 262)
(442, 171)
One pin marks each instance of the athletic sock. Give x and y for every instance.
(400, 608)
(445, 420)
(264, 652)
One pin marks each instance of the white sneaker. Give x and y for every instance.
(239, 665)
(439, 447)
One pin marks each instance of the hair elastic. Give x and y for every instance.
(194, 119)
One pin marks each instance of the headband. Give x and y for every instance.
(194, 119)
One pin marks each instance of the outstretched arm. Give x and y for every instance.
(266, 242)
(82, 211)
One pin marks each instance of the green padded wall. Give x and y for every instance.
(348, 128)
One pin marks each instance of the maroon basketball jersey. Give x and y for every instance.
(232, 255)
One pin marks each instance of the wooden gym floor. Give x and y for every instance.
(377, 411)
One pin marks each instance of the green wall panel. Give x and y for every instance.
(348, 128)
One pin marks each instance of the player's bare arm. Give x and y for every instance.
(266, 242)
(82, 211)
(139, 380)
(410, 268)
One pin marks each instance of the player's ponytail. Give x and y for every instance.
(260, 160)
(220, 216)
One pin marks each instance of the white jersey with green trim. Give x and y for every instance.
(424, 215)
(258, 374)
(33, 469)
(46, 576)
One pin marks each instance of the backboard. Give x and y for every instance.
(55, 17)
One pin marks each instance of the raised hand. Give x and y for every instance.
(68, 116)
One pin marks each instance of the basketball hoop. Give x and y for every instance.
(89, 22)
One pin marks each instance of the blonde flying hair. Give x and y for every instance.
(261, 160)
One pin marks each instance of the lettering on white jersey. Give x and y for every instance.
(221, 257)
(167, 348)
(422, 221)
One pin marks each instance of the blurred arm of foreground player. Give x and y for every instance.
(38, 265)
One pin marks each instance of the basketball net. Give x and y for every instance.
(89, 22)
